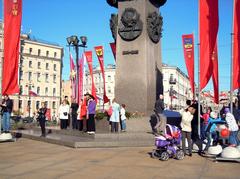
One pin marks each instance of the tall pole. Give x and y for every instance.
(231, 61)
(231, 75)
(29, 99)
(1, 61)
(77, 65)
(199, 92)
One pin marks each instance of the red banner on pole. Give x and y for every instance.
(73, 77)
(80, 79)
(188, 49)
(208, 37)
(236, 45)
(99, 53)
(12, 26)
(215, 75)
(88, 55)
(113, 47)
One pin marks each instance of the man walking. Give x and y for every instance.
(7, 106)
(161, 118)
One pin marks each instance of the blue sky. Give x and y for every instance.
(54, 20)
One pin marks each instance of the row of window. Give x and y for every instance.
(30, 65)
(39, 91)
(100, 90)
(40, 53)
(30, 77)
(38, 104)
(98, 79)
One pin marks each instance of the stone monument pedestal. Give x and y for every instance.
(138, 64)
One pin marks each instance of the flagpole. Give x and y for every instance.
(231, 75)
(231, 62)
(199, 91)
(1, 62)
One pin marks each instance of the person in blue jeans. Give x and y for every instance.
(211, 129)
(233, 127)
(123, 117)
(7, 106)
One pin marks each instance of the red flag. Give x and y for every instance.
(12, 26)
(32, 93)
(215, 74)
(80, 79)
(208, 37)
(223, 94)
(88, 55)
(48, 114)
(236, 45)
(99, 53)
(72, 77)
(188, 49)
(113, 47)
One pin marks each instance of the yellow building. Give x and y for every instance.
(40, 71)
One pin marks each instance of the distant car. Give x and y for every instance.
(173, 118)
(16, 118)
(28, 119)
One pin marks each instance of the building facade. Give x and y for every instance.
(98, 80)
(176, 87)
(66, 89)
(174, 80)
(40, 71)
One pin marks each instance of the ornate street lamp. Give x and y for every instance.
(74, 42)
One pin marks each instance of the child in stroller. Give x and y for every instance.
(168, 146)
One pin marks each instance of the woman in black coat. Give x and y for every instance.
(42, 118)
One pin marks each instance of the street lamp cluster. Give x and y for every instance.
(74, 42)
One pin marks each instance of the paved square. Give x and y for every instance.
(33, 159)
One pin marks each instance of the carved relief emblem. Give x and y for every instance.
(130, 26)
(154, 26)
(113, 25)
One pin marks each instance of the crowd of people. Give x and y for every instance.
(211, 125)
(76, 116)
(82, 115)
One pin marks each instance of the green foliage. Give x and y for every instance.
(17, 113)
(100, 115)
(51, 123)
(128, 114)
(18, 125)
(135, 114)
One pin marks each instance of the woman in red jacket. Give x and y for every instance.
(82, 112)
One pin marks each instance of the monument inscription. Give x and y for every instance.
(131, 25)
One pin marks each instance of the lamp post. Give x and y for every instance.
(30, 86)
(74, 42)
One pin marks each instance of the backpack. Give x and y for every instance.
(110, 110)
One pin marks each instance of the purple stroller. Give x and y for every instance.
(168, 146)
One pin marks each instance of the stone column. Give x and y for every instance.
(138, 60)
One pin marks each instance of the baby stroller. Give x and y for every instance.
(168, 146)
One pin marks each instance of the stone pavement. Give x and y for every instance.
(33, 159)
(138, 135)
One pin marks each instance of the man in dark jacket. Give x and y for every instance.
(161, 118)
(194, 124)
(7, 106)
(74, 109)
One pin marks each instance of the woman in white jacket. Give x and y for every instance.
(187, 129)
(63, 113)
